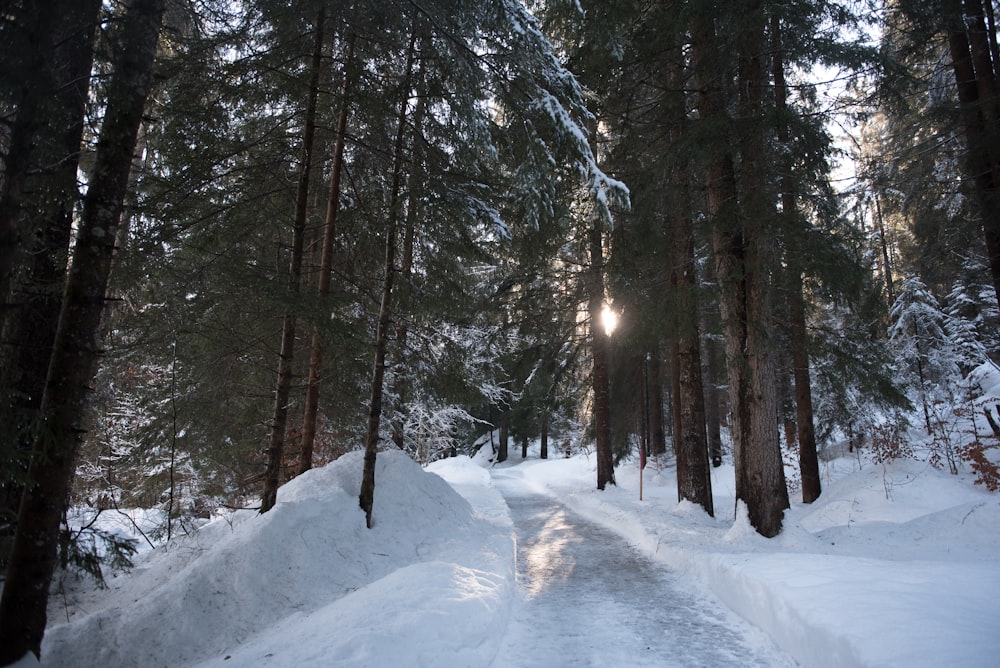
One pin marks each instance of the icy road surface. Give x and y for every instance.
(588, 598)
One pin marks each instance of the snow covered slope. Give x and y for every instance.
(895, 565)
(308, 584)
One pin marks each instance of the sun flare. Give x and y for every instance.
(609, 319)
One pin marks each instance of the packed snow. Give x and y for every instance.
(896, 564)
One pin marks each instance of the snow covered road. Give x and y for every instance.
(588, 598)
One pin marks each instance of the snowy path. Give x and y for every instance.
(587, 598)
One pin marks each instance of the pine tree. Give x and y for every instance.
(739, 239)
(279, 418)
(928, 357)
(74, 356)
(30, 317)
(367, 494)
(955, 32)
(311, 403)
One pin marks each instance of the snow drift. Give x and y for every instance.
(308, 581)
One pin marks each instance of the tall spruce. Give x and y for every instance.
(806, 434)
(973, 61)
(694, 482)
(279, 418)
(46, 217)
(740, 240)
(366, 496)
(311, 403)
(77, 344)
(599, 352)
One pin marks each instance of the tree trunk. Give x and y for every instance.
(766, 493)
(694, 481)
(77, 345)
(282, 390)
(808, 459)
(808, 456)
(503, 444)
(657, 437)
(886, 262)
(674, 350)
(599, 350)
(36, 300)
(975, 88)
(647, 423)
(983, 61)
(33, 70)
(727, 237)
(401, 379)
(741, 262)
(713, 417)
(544, 438)
(311, 407)
(366, 496)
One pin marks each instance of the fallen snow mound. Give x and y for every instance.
(308, 580)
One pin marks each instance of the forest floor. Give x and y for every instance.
(896, 564)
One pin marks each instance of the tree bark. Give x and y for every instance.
(694, 482)
(977, 99)
(366, 496)
(599, 350)
(808, 459)
(674, 350)
(657, 437)
(279, 415)
(503, 438)
(982, 60)
(401, 379)
(727, 238)
(886, 262)
(77, 344)
(311, 407)
(742, 257)
(808, 456)
(766, 493)
(36, 300)
(544, 439)
(35, 86)
(713, 417)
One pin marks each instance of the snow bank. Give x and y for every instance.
(307, 582)
(894, 565)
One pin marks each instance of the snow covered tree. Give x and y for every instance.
(972, 317)
(955, 40)
(530, 133)
(927, 355)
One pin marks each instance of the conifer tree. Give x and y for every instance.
(311, 403)
(29, 319)
(928, 356)
(279, 417)
(75, 350)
